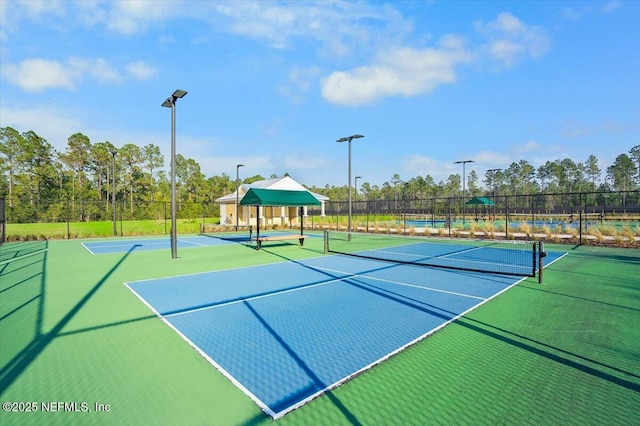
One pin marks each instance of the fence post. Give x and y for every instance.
(580, 218)
(506, 217)
(122, 214)
(68, 220)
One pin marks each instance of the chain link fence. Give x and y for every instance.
(87, 218)
(597, 216)
(594, 215)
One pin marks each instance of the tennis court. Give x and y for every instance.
(285, 333)
(247, 335)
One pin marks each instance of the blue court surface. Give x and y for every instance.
(285, 333)
(164, 243)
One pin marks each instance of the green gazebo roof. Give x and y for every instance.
(278, 197)
(482, 201)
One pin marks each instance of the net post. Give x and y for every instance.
(535, 260)
(541, 255)
(326, 241)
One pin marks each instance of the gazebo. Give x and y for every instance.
(275, 215)
(261, 197)
(480, 201)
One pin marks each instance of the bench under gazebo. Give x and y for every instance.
(260, 197)
(480, 201)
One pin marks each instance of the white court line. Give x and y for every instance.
(88, 249)
(265, 408)
(437, 290)
(262, 296)
(191, 242)
(446, 255)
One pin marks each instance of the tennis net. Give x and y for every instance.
(520, 258)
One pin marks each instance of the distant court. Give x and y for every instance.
(146, 244)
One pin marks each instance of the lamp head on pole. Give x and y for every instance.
(349, 138)
(179, 93)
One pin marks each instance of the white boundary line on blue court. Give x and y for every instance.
(389, 355)
(212, 272)
(88, 249)
(149, 241)
(264, 407)
(437, 290)
(262, 296)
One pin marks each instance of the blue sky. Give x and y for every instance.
(273, 85)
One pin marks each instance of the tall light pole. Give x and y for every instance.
(171, 103)
(113, 151)
(237, 194)
(494, 172)
(349, 139)
(464, 186)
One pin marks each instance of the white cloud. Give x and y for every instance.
(49, 121)
(511, 41)
(98, 68)
(304, 162)
(134, 16)
(339, 26)
(527, 147)
(140, 70)
(401, 71)
(299, 83)
(36, 75)
(492, 159)
(578, 13)
(610, 6)
(575, 131)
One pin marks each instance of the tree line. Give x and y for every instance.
(33, 170)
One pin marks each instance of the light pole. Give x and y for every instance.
(237, 194)
(349, 139)
(171, 103)
(494, 173)
(113, 151)
(464, 187)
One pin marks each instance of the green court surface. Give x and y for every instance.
(73, 336)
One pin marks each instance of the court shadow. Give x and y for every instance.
(599, 302)
(318, 384)
(574, 360)
(22, 289)
(23, 359)
(10, 251)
